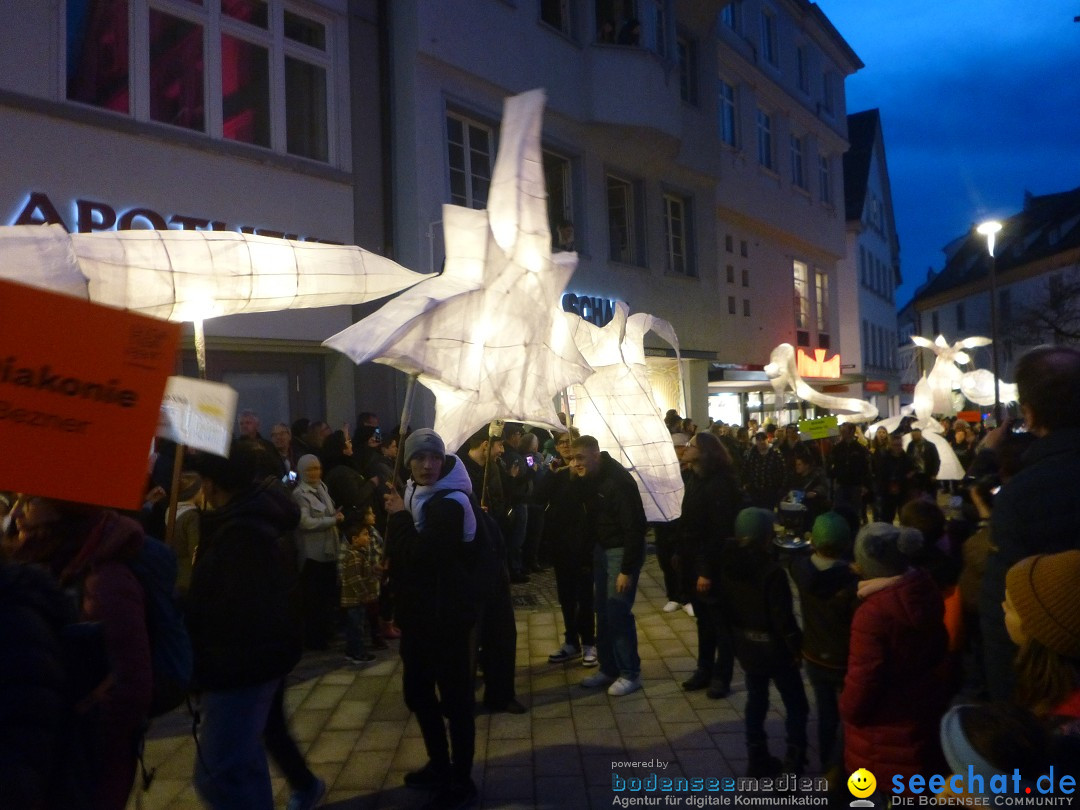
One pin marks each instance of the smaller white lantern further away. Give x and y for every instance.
(615, 405)
(783, 371)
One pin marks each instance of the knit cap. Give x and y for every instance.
(1043, 590)
(882, 549)
(831, 535)
(423, 440)
(754, 526)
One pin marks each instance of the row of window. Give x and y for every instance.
(798, 147)
(875, 275)
(252, 71)
(470, 150)
(737, 17)
(879, 347)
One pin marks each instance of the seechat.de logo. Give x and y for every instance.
(861, 783)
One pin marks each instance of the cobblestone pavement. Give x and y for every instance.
(359, 737)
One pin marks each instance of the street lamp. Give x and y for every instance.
(989, 229)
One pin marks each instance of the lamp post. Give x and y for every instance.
(989, 229)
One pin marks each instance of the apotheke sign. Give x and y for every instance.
(94, 215)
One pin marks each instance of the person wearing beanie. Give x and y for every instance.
(1042, 617)
(992, 739)
(757, 600)
(894, 691)
(434, 553)
(826, 586)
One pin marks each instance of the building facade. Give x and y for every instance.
(693, 154)
(257, 115)
(871, 269)
(1034, 278)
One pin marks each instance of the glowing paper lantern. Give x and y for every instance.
(783, 372)
(486, 335)
(978, 386)
(615, 405)
(193, 275)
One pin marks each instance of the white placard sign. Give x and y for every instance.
(198, 413)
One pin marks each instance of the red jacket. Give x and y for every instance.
(895, 691)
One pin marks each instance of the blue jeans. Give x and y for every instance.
(231, 772)
(355, 617)
(616, 633)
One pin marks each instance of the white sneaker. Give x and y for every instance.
(588, 657)
(624, 686)
(671, 607)
(689, 609)
(596, 680)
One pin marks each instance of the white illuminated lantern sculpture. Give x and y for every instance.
(191, 275)
(616, 406)
(946, 376)
(194, 275)
(486, 335)
(782, 370)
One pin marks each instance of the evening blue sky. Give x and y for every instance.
(979, 100)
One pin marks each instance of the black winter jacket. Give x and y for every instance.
(757, 597)
(243, 629)
(615, 516)
(828, 598)
(708, 522)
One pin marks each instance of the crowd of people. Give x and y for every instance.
(931, 639)
(916, 627)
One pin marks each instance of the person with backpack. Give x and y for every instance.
(244, 634)
(433, 549)
(89, 551)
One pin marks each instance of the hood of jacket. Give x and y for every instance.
(267, 507)
(911, 597)
(822, 582)
(454, 478)
(111, 537)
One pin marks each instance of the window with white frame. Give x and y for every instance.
(764, 139)
(625, 226)
(726, 112)
(798, 174)
(252, 71)
(556, 13)
(654, 33)
(828, 101)
(686, 49)
(862, 265)
(801, 280)
(470, 145)
(821, 299)
(865, 342)
(746, 307)
(730, 15)
(768, 37)
(731, 305)
(825, 179)
(558, 175)
(677, 233)
(802, 68)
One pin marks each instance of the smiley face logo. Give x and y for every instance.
(861, 783)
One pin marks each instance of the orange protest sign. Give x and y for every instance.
(80, 390)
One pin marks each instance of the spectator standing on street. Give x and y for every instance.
(431, 541)
(615, 528)
(1036, 511)
(849, 470)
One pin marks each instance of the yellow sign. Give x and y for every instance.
(820, 428)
